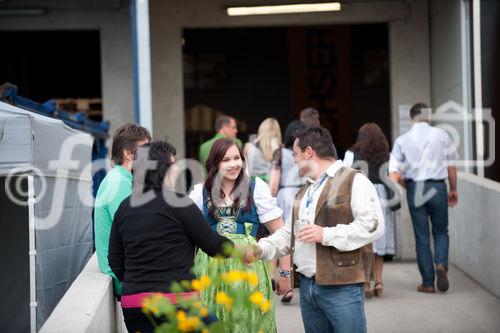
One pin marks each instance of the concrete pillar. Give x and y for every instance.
(410, 83)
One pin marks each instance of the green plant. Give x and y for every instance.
(188, 314)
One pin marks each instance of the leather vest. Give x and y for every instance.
(334, 267)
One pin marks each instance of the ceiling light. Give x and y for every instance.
(284, 9)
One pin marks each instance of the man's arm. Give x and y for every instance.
(116, 250)
(451, 158)
(274, 246)
(368, 223)
(453, 194)
(396, 160)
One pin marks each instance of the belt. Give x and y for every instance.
(409, 180)
(137, 300)
(313, 278)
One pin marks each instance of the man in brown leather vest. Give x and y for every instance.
(336, 215)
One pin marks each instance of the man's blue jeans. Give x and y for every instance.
(332, 309)
(423, 206)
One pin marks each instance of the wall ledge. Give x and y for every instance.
(88, 304)
(485, 182)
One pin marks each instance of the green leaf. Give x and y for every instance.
(176, 287)
(217, 327)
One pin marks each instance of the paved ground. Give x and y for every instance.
(466, 307)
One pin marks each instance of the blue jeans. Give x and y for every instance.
(434, 207)
(332, 309)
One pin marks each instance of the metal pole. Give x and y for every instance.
(32, 253)
(478, 92)
(141, 41)
(466, 83)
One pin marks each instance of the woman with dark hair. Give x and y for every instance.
(370, 153)
(234, 205)
(154, 235)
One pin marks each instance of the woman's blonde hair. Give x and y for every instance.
(269, 137)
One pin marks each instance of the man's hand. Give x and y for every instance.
(311, 233)
(396, 178)
(251, 253)
(452, 198)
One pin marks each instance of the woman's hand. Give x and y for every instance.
(284, 285)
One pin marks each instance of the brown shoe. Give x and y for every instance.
(425, 289)
(378, 289)
(442, 278)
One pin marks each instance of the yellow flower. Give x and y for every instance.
(252, 279)
(150, 304)
(205, 280)
(224, 299)
(181, 315)
(233, 276)
(189, 325)
(206, 331)
(204, 312)
(185, 323)
(202, 283)
(257, 298)
(265, 306)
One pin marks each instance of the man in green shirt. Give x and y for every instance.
(116, 186)
(225, 127)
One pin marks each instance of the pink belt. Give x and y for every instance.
(136, 300)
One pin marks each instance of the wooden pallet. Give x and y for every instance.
(91, 106)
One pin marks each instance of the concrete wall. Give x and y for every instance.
(475, 231)
(450, 66)
(409, 60)
(446, 57)
(88, 306)
(410, 83)
(112, 19)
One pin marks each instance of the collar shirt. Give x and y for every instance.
(423, 153)
(367, 225)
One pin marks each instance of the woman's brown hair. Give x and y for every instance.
(371, 145)
(213, 182)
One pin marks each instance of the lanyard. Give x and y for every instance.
(310, 193)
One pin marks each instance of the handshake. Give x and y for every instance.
(247, 253)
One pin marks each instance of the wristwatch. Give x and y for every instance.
(284, 273)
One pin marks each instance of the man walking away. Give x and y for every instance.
(421, 160)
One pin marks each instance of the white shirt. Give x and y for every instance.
(349, 158)
(367, 226)
(423, 153)
(264, 201)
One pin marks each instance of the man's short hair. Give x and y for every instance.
(417, 109)
(310, 117)
(222, 121)
(125, 138)
(319, 139)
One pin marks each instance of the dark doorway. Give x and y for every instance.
(255, 73)
(54, 64)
